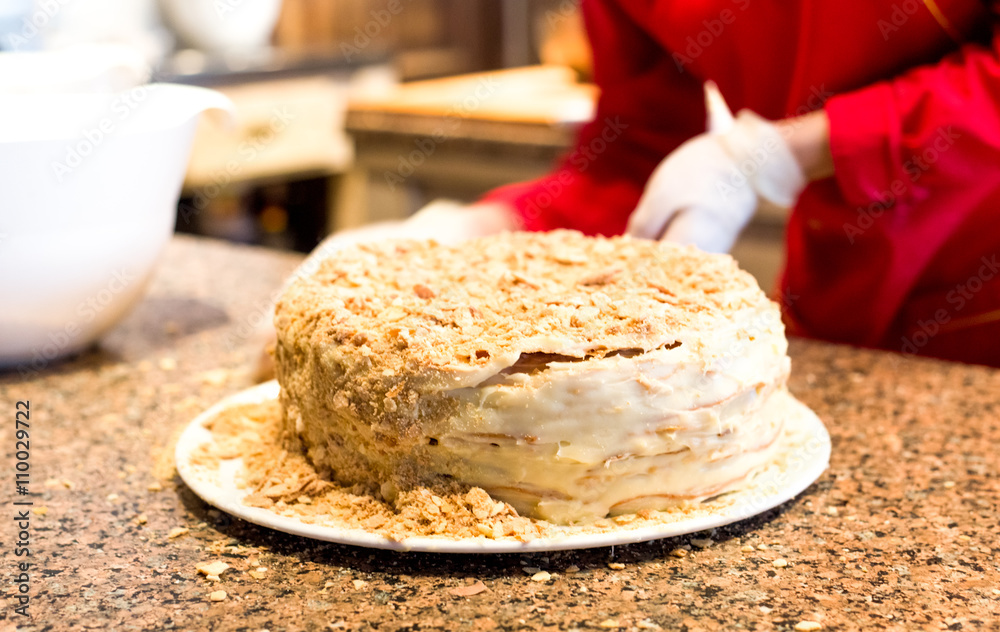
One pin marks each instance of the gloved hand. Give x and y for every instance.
(706, 190)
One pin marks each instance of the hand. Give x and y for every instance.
(706, 191)
(689, 198)
(450, 222)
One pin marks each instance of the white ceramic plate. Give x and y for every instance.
(803, 456)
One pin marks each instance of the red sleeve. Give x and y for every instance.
(933, 126)
(647, 107)
(917, 159)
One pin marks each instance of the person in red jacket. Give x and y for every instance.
(890, 111)
(876, 121)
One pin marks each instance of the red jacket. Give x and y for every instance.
(901, 249)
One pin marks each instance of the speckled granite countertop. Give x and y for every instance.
(900, 533)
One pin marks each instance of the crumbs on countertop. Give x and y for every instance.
(177, 532)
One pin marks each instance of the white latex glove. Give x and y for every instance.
(706, 190)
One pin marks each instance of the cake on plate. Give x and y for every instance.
(572, 377)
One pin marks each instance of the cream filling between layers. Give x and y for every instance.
(582, 439)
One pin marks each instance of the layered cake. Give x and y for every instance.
(571, 377)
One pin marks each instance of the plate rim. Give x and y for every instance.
(195, 434)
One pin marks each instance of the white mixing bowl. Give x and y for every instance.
(222, 26)
(88, 193)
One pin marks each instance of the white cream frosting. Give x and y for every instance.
(580, 440)
(570, 376)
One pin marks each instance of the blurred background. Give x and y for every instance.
(352, 111)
